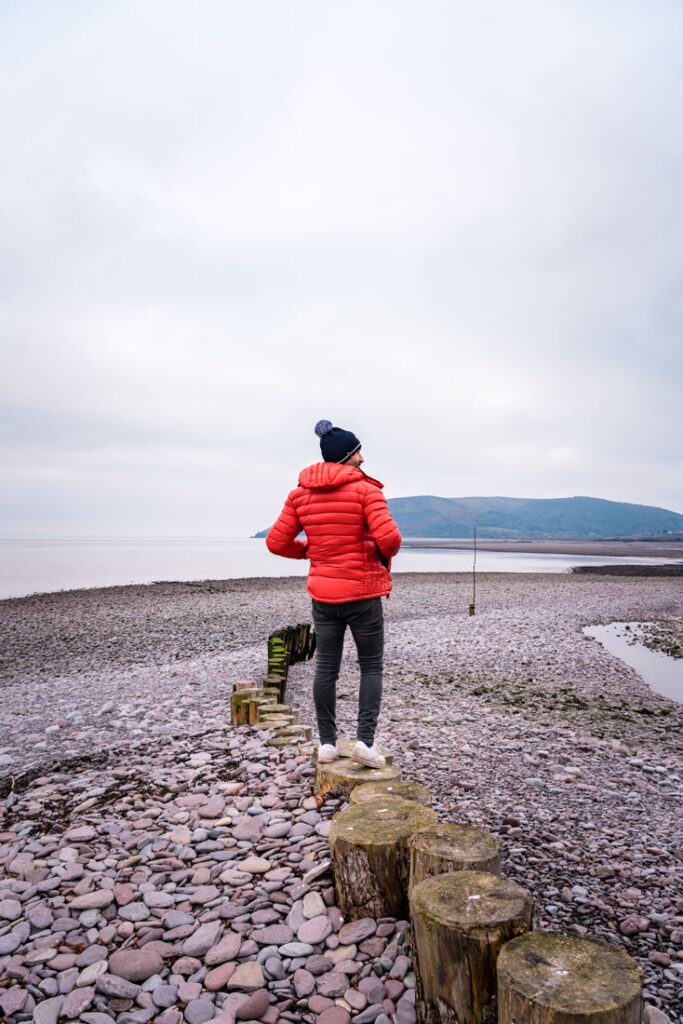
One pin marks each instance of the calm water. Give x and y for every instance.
(30, 566)
(661, 672)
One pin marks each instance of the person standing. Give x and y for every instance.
(350, 541)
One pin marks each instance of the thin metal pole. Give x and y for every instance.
(474, 573)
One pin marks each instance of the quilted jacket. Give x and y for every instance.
(350, 535)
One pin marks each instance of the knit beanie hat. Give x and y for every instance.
(336, 445)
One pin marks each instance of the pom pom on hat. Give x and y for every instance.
(336, 444)
(323, 427)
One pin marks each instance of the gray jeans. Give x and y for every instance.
(366, 620)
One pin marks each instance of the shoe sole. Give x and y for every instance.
(327, 760)
(367, 763)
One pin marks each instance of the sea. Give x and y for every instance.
(50, 564)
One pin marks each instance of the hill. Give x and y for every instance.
(531, 518)
(578, 518)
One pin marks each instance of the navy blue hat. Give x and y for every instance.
(336, 445)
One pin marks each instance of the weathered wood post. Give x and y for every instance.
(278, 710)
(460, 921)
(546, 977)
(404, 790)
(370, 856)
(251, 712)
(449, 847)
(340, 777)
(239, 704)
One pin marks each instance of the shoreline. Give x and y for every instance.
(613, 548)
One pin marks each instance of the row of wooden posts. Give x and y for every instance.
(287, 647)
(475, 955)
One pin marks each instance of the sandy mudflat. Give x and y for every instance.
(114, 727)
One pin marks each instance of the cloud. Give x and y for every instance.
(455, 230)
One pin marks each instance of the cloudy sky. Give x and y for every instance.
(456, 229)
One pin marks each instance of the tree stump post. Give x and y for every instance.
(274, 723)
(460, 921)
(270, 710)
(252, 712)
(449, 847)
(370, 857)
(546, 977)
(339, 777)
(404, 790)
(239, 704)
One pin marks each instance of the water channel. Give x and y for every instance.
(624, 640)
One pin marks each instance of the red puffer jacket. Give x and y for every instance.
(349, 530)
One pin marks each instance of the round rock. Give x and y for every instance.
(135, 964)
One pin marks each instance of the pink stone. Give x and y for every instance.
(93, 900)
(317, 1004)
(226, 949)
(135, 964)
(124, 893)
(80, 834)
(204, 894)
(186, 965)
(216, 979)
(333, 985)
(356, 931)
(314, 931)
(62, 962)
(254, 1007)
(77, 1002)
(334, 1015)
(189, 990)
(248, 977)
(13, 1000)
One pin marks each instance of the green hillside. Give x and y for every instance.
(529, 518)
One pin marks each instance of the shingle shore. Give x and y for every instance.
(129, 806)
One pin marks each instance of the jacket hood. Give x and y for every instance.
(325, 476)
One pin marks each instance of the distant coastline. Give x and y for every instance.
(608, 548)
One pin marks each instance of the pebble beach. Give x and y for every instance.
(158, 864)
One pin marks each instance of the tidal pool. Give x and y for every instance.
(624, 640)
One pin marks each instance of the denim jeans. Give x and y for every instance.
(366, 620)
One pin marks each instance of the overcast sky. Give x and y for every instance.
(455, 229)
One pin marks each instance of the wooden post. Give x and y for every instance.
(460, 921)
(553, 977)
(267, 710)
(339, 777)
(370, 857)
(239, 703)
(252, 711)
(274, 723)
(404, 790)
(449, 847)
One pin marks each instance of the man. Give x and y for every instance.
(350, 541)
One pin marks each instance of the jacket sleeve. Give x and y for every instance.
(383, 529)
(281, 539)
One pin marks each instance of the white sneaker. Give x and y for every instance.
(327, 753)
(369, 756)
